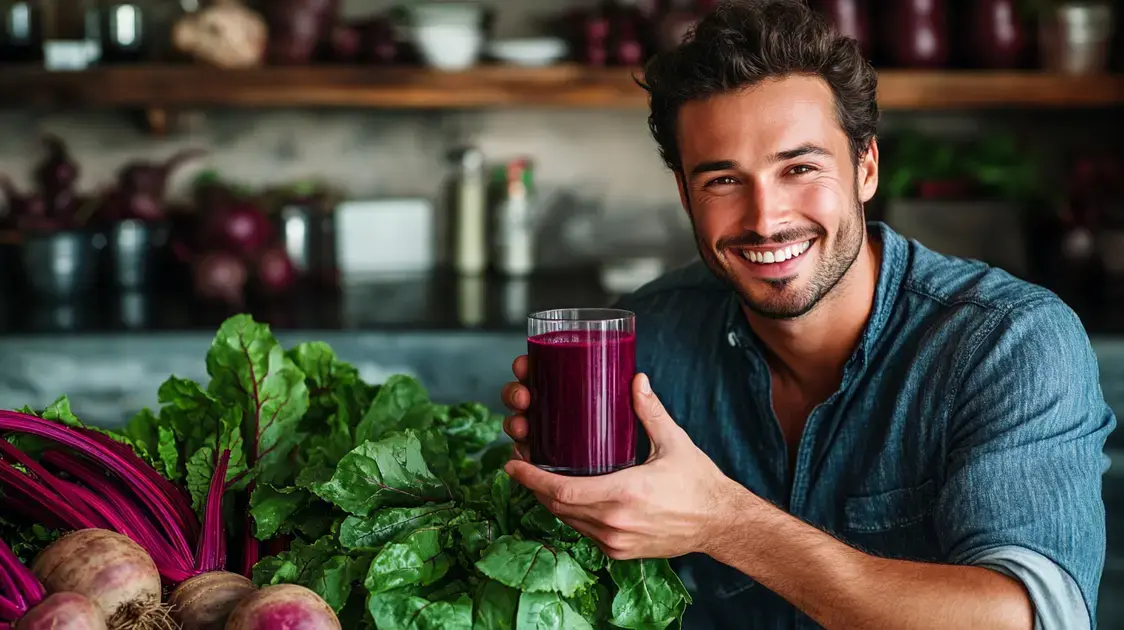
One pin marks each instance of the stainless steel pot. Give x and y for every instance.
(1076, 37)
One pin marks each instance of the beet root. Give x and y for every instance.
(283, 606)
(115, 573)
(63, 611)
(206, 601)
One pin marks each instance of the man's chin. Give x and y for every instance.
(785, 303)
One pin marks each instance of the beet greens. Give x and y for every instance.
(393, 508)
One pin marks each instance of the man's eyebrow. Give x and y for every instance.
(804, 149)
(717, 165)
(779, 156)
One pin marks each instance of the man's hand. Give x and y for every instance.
(668, 506)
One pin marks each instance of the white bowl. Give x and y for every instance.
(448, 13)
(449, 47)
(529, 52)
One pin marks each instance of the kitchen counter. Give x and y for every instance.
(434, 302)
(437, 302)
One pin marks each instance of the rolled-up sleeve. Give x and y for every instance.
(1021, 492)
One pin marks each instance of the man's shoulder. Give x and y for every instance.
(949, 282)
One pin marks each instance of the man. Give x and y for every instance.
(847, 430)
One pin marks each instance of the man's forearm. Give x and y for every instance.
(841, 587)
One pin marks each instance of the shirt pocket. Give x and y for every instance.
(885, 511)
(894, 523)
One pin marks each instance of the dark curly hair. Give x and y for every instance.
(744, 42)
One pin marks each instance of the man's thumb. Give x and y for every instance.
(661, 429)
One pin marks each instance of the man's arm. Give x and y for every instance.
(841, 587)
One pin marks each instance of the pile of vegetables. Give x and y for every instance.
(25, 604)
(353, 505)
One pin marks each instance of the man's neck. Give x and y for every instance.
(811, 351)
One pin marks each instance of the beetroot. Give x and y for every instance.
(112, 571)
(206, 601)
(220, 276)
(63, 611)
(25, 603)
(283, 606)
(240, 229)
(275, 271)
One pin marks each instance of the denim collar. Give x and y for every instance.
(891, 275)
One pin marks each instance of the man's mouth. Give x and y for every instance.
(777, 255)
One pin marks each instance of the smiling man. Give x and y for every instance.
(845, 429)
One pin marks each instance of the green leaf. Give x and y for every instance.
(249, 369)
(494, 607)
(471, 427)
(201, 464)
(501, 497)
(390, 525)
(594, 604)
(155, 441)
(27, 541)
(272, 508)
(586, 552)
(649, 595)
(532, 566)
(539, 520)
(395, 399)
(547, 611)
(475, 537)
(417, 560)
(401, 611)
(496, 457)
(321, 567)
(390, 472)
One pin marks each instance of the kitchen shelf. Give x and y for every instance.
(569, 85)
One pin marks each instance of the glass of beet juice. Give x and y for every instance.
(581, 362)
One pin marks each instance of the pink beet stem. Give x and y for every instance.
(138, 524)
(210, 553)
(169, 505)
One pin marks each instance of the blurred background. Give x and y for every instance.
(407, 181)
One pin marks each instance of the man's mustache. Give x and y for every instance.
(753, 239)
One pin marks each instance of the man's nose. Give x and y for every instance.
(768, 209)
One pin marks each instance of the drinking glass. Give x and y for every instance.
(581, 362)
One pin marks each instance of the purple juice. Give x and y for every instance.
(581, 416)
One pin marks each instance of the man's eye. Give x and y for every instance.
(722, 181)
(800, 169)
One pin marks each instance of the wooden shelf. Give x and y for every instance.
(569, 86)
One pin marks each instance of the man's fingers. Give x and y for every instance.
(661, 429)
(516, 427)
(519, 368)
(563, 490)
(516, 397)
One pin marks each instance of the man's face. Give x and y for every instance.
(774, 196)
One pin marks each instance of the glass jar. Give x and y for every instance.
(21, 40)
(127, 29)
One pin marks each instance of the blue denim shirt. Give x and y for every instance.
(969, 428)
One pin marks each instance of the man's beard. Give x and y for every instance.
(787, 302)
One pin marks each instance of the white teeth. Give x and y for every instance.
(780, 255)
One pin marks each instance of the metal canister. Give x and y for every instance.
(308, 235)
(469, 199)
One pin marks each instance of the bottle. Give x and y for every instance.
(122, 31)
(469, 197)
(21, 40)
(513, 224)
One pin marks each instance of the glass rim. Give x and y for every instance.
(582, 315)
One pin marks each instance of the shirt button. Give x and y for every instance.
(733, 339)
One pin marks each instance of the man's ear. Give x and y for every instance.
(867, 172)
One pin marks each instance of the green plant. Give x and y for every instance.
(996, 165)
